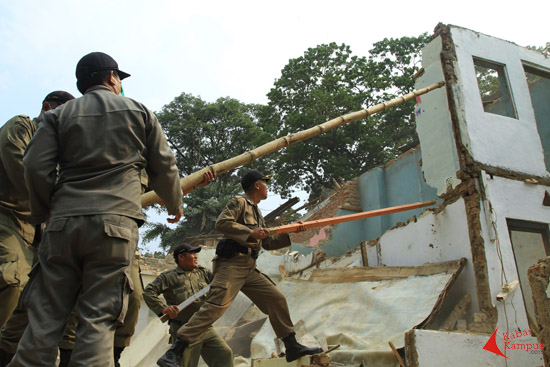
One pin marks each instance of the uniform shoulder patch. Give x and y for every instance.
(20, 131)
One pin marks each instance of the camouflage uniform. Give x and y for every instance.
(177, 285)
(16, 233)
(238, 273)
(100, 141)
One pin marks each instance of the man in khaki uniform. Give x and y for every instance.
(177, 285)
(100, 142)
(242, 225)
(16, 233)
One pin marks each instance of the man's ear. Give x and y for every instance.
(46, 106)
(112, 78)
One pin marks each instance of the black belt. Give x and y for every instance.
(228, 248)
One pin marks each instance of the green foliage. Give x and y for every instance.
(329, 81)
(326, 82)
(545, 50)
(200, 134)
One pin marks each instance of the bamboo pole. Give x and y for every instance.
(197, 177)
(298, 227)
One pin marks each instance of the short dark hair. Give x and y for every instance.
(96, 78)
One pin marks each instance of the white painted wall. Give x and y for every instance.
(492, 139)
(434, 238)
(438, 349)
(516, 200)
(433, 124)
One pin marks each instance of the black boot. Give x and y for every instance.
(116, 354)
(64, 357)
(295, 350)
(172, 357)
(5, 358)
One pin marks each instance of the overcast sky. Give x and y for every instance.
(217, 48)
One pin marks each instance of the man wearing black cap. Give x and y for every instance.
(244, 231)
(177, 285)
(16, 233)
(99, 144)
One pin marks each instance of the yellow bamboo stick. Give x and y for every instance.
(197, 177)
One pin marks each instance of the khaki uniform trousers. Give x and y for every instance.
(16, 257)
(211, 347)
(232, 275)
(123, 333)
(85, 259)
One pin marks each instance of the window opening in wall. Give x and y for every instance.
(538, 80)
(530, 242)
(494, 88)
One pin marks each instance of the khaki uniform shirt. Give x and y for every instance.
(15, 135)
(101, 142)
(177, 285)
(239, 217)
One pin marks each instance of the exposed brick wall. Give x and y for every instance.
(469, 190)
(539, 275)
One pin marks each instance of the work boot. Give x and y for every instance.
(172, 357)
(116, 354)
(295, 350)
(5, 358)
(64, 357)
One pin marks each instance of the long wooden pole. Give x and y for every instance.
(197, 177)
(297, 227)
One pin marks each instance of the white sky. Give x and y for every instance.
(217, 48)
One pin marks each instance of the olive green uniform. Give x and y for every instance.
(16, 233)
(177, 285)
(124, 332)
(238, 273)
(101, 142)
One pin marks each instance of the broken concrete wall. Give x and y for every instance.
(494, 156)
(434, 237)
(428, 348)
(539, 278)
(337, 239)
(509, 199)
(396, 183)
(492, 139)
(433, 123)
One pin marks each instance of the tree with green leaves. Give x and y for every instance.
(329, 81)
(202, 133)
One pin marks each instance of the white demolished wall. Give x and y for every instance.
(436, 349)
(433, 124)
(433, 238)
(514, 200)
(495, 140)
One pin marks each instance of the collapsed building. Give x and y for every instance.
(431, 286)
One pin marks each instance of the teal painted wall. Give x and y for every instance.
(540, 98)
(396, 184)
(399, 183)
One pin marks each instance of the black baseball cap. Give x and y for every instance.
(252, 176)
(58, 96)
(183, 248)
(97, 61)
